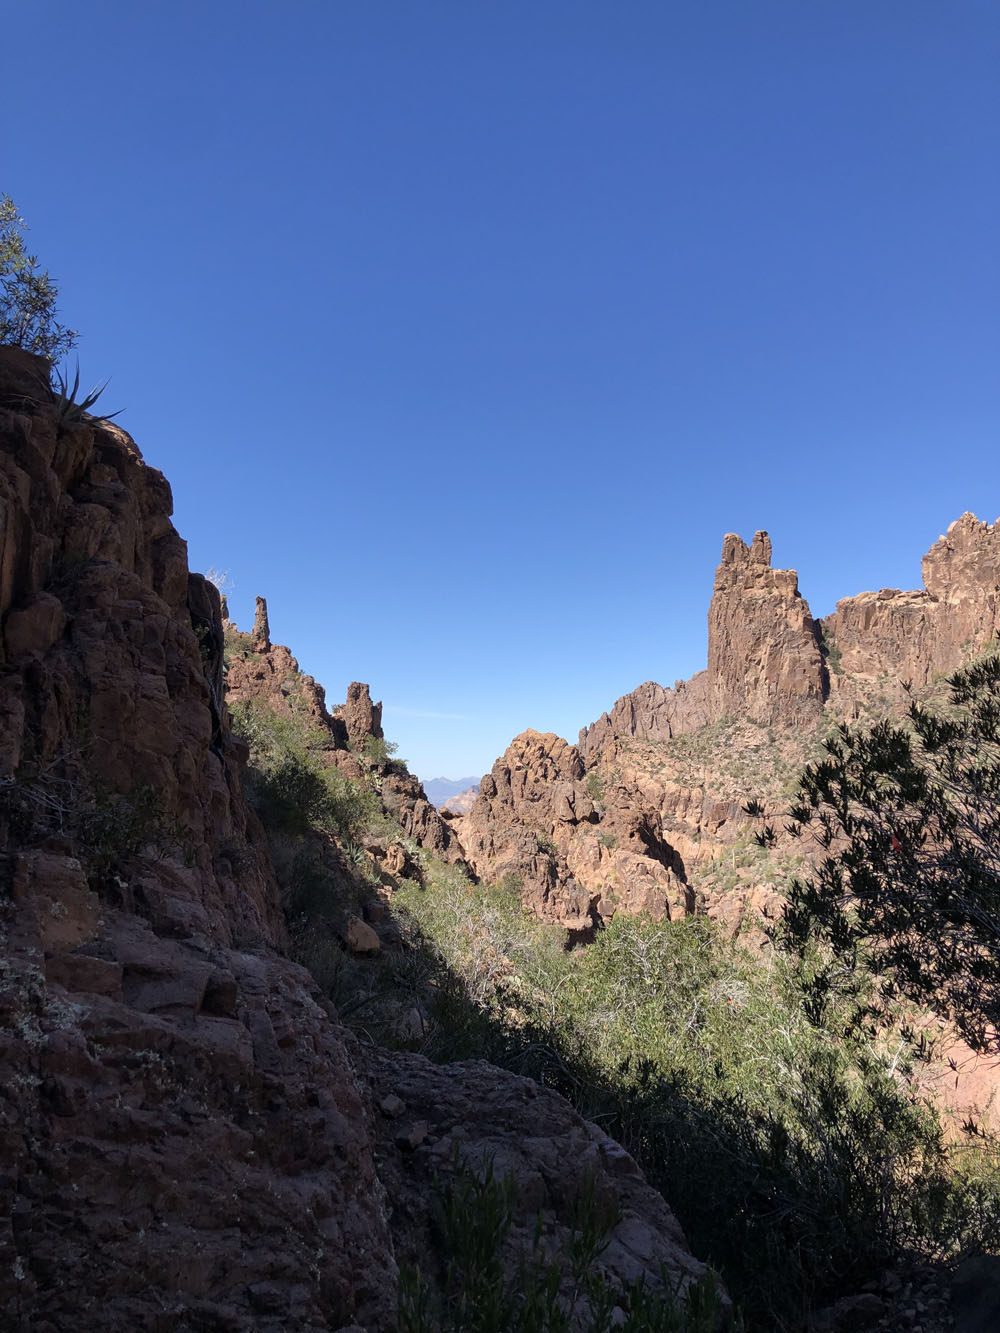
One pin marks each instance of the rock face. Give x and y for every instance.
(764, 658)
(187, 1134)
(271, 676)
(914, 636)
(574, 859)
(182, 1127)
(466, 1114)
(361, 717)
(769, 661)
(652, 712)
(770, 666)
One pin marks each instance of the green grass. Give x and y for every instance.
(488, 1285)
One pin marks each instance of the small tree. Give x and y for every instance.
(909, 888)
(27, 293)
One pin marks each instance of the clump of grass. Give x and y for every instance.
(487, 1285)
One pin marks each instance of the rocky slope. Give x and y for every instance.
(259, 671)
(190, 1139)
(573, 856)
(682, 762)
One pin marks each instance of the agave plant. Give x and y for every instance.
(71, 411)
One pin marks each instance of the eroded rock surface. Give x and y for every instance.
(462, 1115)
(574, 856)
(183, 1133)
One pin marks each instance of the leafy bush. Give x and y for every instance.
(910, 888)
(27, 293)
(798, 1161)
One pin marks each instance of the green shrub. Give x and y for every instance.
(798, 1160)
(27, 293)
(291, 788)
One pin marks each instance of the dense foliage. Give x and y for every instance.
(909, 890)
(27, 294)
(800, 1161)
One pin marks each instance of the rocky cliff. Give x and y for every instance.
(913, 637)
(574, 853)
(258, 670)
(189, 1139)
(770, 662)
(683, 761)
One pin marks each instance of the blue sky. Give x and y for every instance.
(465, 330)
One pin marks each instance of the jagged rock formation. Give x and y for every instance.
(271, 676)
(652, 712)
(764, 659)
(187, 1134)
(574, 859)
(770, 666)
(769, 661)
(260, 638)
(914, 636)
(361, 717)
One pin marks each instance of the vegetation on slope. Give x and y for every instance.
(794, 1149)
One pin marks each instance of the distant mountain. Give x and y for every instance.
(440, 789)
(462, 803)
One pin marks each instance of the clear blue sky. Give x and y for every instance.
(464, 330)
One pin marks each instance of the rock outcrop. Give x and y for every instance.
(652, 712)
(764, 659)
(769, 661)
(272, 677)
(188, 1137)
(182, 1127)
(914, 637)
(574, 858)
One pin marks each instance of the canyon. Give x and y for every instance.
(192, 1137)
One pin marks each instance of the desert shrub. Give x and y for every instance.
(291, 788)
(485, 1286)
(106, 828)
(909, 889)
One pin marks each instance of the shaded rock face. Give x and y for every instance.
(181, 1125)
(187, 1134)
(575, 860)
(465, 1114)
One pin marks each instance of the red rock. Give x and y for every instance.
(535, 824)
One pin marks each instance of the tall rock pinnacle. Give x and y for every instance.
(764, 658)
(261, 637)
